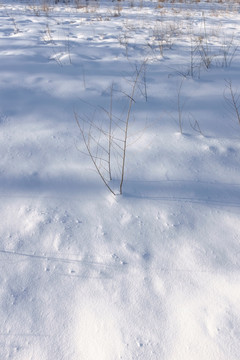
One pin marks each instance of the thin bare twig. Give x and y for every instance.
(86, 143)
(233, 99)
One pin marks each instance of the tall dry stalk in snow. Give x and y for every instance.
(131, 101)
(180, 106)
(232, 99)
(102, 141)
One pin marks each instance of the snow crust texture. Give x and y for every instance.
(153, 273)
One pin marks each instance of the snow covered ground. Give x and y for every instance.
(150, 274)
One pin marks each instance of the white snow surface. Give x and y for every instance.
(150, 274)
